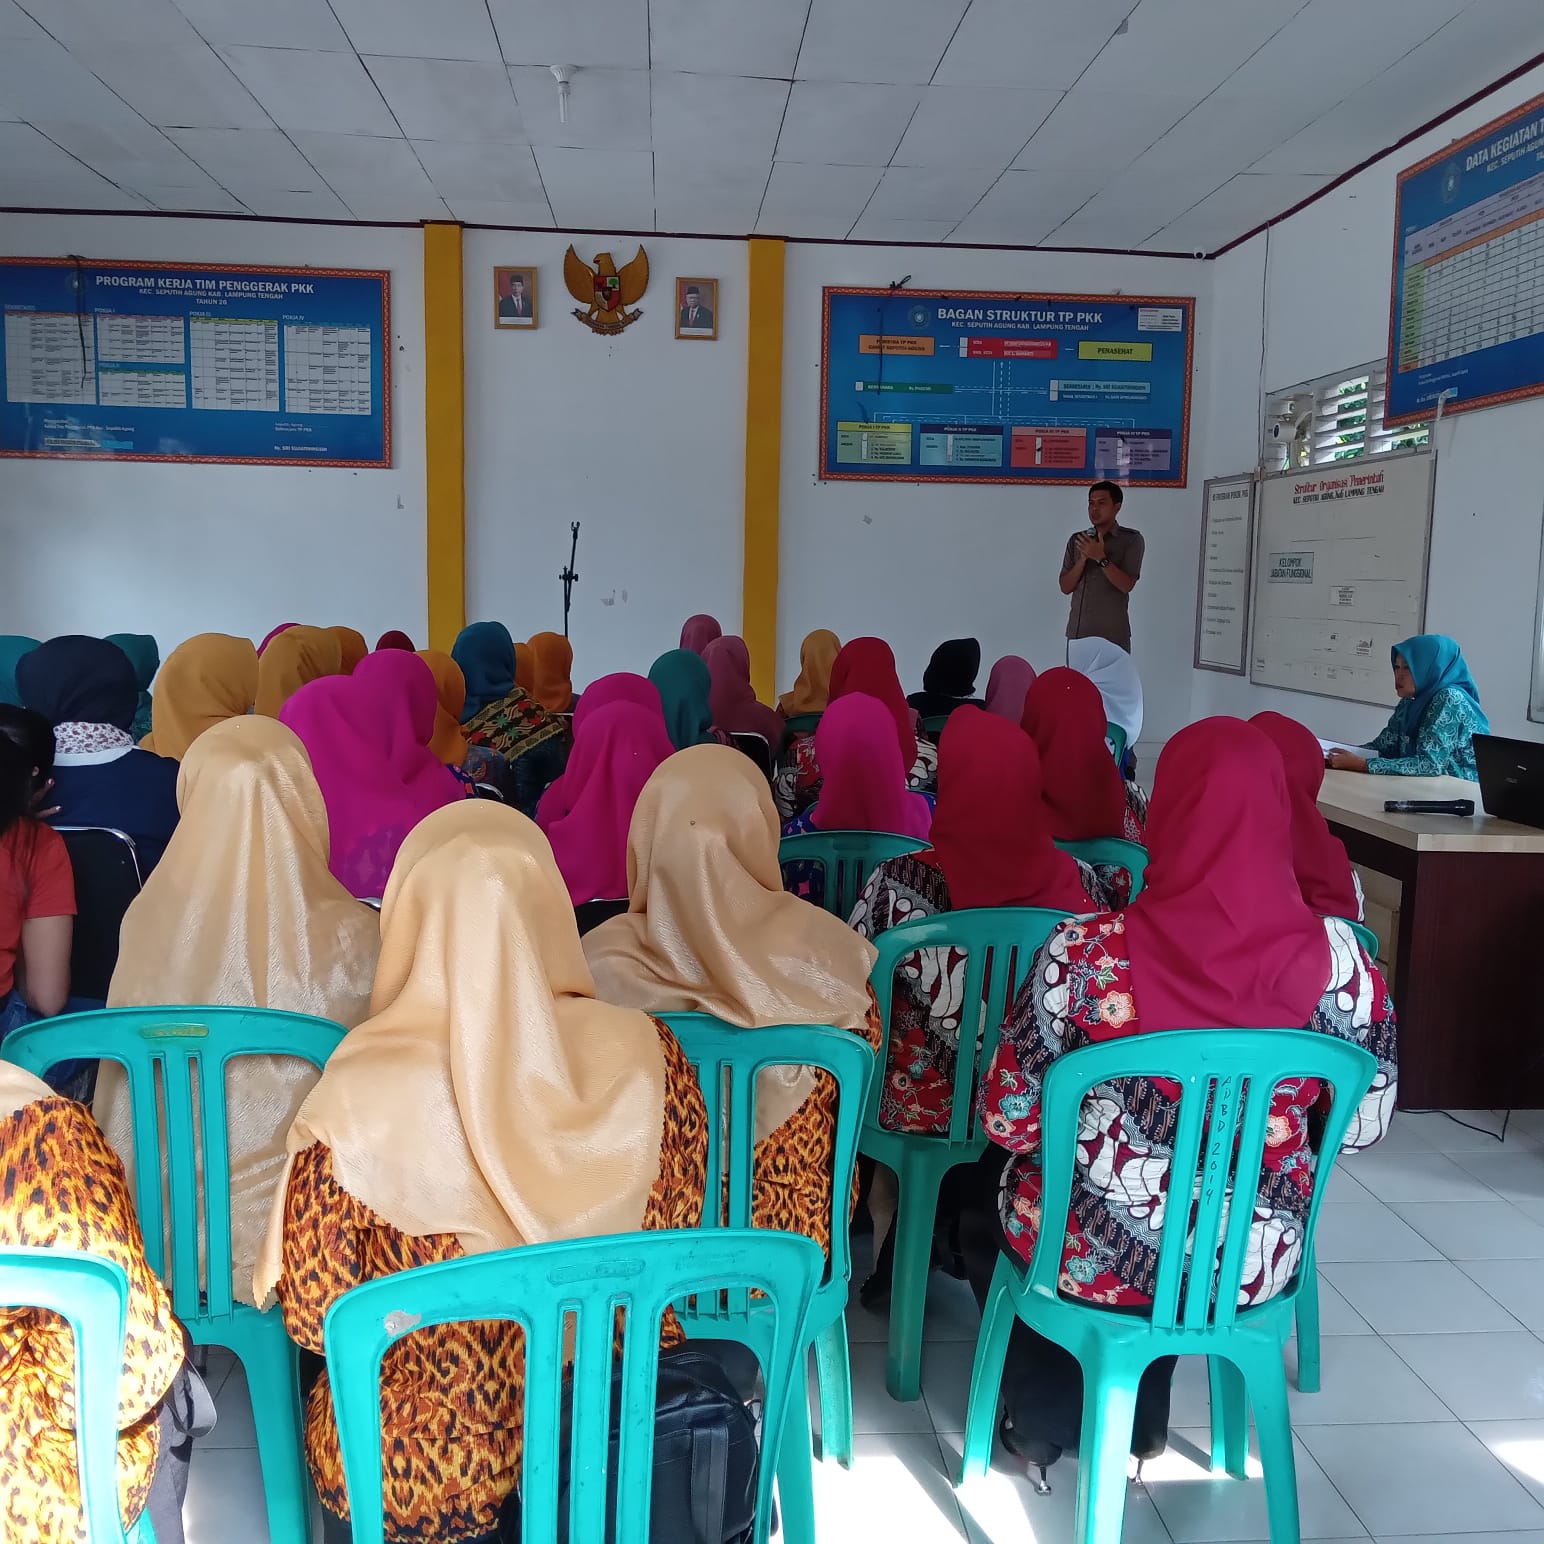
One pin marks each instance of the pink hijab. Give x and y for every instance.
(1010, 679)
(733, 698)
(622, 686)
(612, 759)
(283, 627)
(367, 736)
(699, 631)
(863, 783)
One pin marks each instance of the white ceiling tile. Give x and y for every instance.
(806, 200)
(181, 85)
(969, 126)
(598, 190)
(727, 37)
(449, 98)
(497, 174)
(930, 192)
(900, 41)
(247, 158)
(1105, 227)
(267, 23)
(396, 208)
(607, 109)
(842, 123)
(445, 29)
(1101, 131)
(15, 24)
(1186, 45)
(1237, 206)
(1023, 208)
(716, 197)
(1044, 43)
(612, 34)
(39, 79)
(28, 155)
(124, 149)
(473, 211)
(1227, 132)
(204, 196)
(296, 203)
(86, 192)
(1132, 205)
(901, 232)
(728, 116)
(127, 21)
(329, 92)
(359, 163)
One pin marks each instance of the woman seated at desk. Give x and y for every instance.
(1431, 732)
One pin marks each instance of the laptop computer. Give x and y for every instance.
(1511, 778)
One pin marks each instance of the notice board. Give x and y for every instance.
(989, 387)
(1340, 574)
(1467, 313)
(161, 362)
(1222, 586)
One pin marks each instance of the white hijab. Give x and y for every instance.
(1110, 668)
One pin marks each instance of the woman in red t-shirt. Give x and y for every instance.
(37, 885)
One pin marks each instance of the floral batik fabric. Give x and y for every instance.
(1081, 992)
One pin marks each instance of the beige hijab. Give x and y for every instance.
(242, 912)
(489, 1094)
(293, 658)
(208, 679)
(709, 928)
(18, 1089)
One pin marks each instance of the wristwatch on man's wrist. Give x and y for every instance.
(1103, 563)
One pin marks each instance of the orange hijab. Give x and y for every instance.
(553, 658)
(208, 679)
(293, 658)
(449, 741)
(525, 667)
(812, 691)
(353, 645)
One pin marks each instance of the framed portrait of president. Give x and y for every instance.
(514, 297)
(697, 309)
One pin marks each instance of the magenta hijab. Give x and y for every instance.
(731, 695)
(699, 631)
(283, 627)
(612, 759)
(1010, 679)
(863, 782)
(624, 687)
(367, 736)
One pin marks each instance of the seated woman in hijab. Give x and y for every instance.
(1112, 670)
(1219, 939)
(583, 1119)
(709, 929)
(731, 696)
(351, 647)
(1431, 732)
(698, 631)
(85, 688)
(208, 679)
(145, 656)
(1325, 876)
(243, 913)
(294, 658)
(1081, 786)
(685, 687)
(552, 664)
(65, 1190)
(950, 678)
(812, 691)
(1010, 680)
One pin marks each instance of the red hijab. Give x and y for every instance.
(1323, 869)
(1220, 937)
(991, 837)
(863, 784)
(731, 695)
(395, 639)
(868, 665)
(1064, 716)
(697, 632)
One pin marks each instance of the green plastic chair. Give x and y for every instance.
(1365, 937)
(546, 1289)
(178, 1049)
(92, 1296)
(847, 858)
(1010, 935)
(1226, 1078)
(1117, 738)
(727, 1060)
(933, 725)
(800, 723)
(1115, 850)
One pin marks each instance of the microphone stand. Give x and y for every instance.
(570, 575)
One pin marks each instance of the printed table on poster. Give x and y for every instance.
(1222, 587)
(157, 362)
(976, 386)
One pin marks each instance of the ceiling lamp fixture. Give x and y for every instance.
(563, 73)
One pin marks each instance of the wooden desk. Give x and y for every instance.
(1471, 934)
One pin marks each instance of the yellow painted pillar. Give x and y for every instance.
(763, 460)
(445, 432)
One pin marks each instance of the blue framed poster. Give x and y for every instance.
(981, 386)
(161, 362)
(1466, 314)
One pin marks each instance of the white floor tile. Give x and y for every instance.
(1448, 1136)
(1368, 1231)
(1361, 1380)
(1515, 1175)
(1436, 1478)
(1527, 1536)
(1336, 1315)
(1392, 1176)
(873, 1410)
(1520, 1446)
(1515, 1285)
(1416, 1297)
(1344, 1185)
(1480, 1377)
(1406, 1134)
(896, 1489)
(1474, 1230)
(234, 1426)
(946, 1369)
(225, 1498)
(951, 1312)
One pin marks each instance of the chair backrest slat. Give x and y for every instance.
(846, 859)
(1113, 852)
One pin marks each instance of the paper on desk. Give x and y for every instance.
(1340, 745)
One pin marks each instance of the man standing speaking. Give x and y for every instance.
(1100, 569)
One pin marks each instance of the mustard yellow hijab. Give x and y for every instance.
(294, 657)
(709, 927)
(241, 911)
(352, 646)
(449, 741)
(812, 691)
(489, 1094)
(208, 679)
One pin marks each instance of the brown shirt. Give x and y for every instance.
(1098, 609)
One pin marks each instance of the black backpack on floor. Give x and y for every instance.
(706, 1459)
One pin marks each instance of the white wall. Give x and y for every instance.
(1326, 308)
(917, 564)
(102, 547)
(640, 438)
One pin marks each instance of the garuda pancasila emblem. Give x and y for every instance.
(604, 292)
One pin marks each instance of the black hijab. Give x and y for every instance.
(79, 680)
(953, 668)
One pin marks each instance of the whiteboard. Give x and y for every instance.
(1222, 589)
(1340, 573)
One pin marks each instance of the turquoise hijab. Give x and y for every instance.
(684, 681)
(486, 654)
(12, 647)
(145, 656)
(1437, 663)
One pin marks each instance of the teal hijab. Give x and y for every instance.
(12, 647)
(684, 681)
(1436, 662)
(145, 656)
(486, 655)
